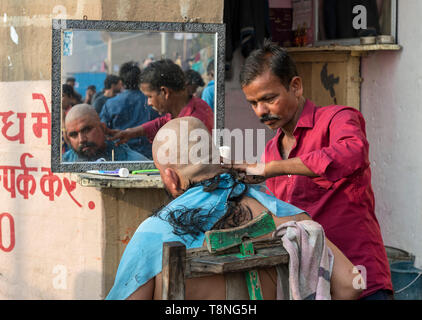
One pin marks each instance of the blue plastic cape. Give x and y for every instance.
(142, 258)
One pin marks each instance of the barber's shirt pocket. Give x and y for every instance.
(310, 189)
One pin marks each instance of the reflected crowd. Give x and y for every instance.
(119, 121)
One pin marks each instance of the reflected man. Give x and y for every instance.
(193, 81)
(89, 94)
(163, 82)
(112, 86)
(208, 93)
(85, 133)
(129, 108)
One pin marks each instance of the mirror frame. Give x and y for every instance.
(351, 41)
(60, 25)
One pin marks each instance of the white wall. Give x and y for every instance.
(391, 106)
(51, 228)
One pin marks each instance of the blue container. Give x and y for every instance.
(407, 281)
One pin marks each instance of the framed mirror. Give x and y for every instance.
(345, 22)
(88, 53)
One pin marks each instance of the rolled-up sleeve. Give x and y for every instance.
(347, 151)
(151, 127)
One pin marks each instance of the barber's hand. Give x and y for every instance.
(123, 136)
(248, 173)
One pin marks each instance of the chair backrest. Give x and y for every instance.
(234, 253)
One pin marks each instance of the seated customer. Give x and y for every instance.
(85, 134)
(206, 197)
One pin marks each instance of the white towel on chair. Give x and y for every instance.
(311, 261)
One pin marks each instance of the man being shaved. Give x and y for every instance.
(206, 197)
(85, 133)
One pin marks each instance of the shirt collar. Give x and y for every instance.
(306, 119)
(187, 110)
(183, 113)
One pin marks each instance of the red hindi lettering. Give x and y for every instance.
(40, 125)
(21, 183)
(23, 180)
(11, 245)
(9, 181)
(7, 124)
(70, 186)
(50, 184)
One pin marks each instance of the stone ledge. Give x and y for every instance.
(133, 181)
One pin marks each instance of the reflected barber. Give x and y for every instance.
(163, 82)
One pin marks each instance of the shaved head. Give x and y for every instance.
(185, 146)
(81, 111)
(84, 132)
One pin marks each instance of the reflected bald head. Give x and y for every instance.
(185, 145)
(84, 132)
(82, 110)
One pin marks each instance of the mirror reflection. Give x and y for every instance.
(119, 88)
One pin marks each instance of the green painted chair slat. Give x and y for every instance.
(220, 240)
(252, 277)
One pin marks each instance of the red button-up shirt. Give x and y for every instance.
(196, 107)
(331, 141)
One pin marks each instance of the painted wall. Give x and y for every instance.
(59, 240)
(50, 228)
(391, 105)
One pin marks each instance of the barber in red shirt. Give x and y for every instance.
(163, 83)
(318, 161)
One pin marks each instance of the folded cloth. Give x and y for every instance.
(311, 261)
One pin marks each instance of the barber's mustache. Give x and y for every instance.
(268, 117)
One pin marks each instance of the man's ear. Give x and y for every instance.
(296, 86)
(173, 182)
(165, 91)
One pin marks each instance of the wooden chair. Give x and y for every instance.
(234, 253)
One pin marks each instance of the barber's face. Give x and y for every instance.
(272, 103)
(156, 99)
(86, 136)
